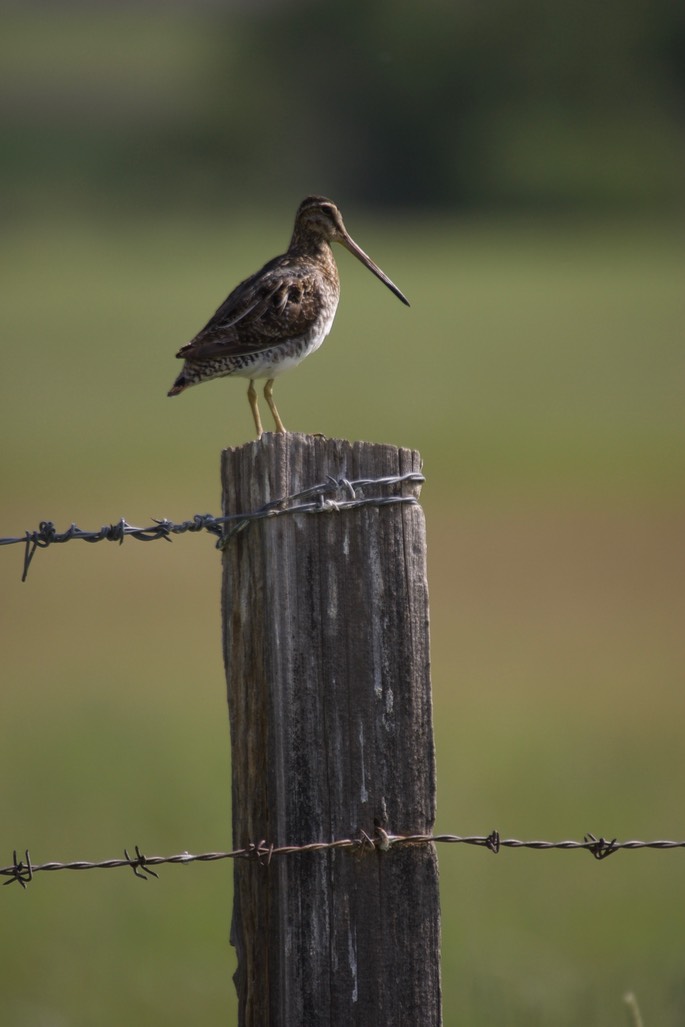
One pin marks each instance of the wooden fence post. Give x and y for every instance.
(325, 620)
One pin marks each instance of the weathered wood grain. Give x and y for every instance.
(326, 648)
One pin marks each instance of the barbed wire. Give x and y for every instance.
(23, 870)
(332, 495)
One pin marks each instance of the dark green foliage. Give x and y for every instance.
(469, 105)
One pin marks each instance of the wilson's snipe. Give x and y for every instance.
(280, 315)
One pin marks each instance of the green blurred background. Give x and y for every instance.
(517, 169)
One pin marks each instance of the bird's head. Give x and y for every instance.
(318, 219)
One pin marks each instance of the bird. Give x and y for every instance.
(279, 315)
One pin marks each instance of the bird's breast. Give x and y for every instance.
(281, 358)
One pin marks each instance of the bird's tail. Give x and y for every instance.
(179, 386)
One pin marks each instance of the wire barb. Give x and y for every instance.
(139, 865)
(599, 847)
(331, 496)
(19, 871)
(492, 842)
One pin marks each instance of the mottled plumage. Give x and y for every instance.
(281, 314)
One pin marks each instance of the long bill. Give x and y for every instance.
(358, 252)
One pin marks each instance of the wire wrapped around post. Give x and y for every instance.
(334, 494)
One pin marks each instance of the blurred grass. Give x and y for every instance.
(539, 371)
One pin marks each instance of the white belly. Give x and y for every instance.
(272, 363)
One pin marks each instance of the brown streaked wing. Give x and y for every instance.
(259, 313)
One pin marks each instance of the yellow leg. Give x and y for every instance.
(252, 398)
(269, 397)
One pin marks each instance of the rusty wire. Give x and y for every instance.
(22, 870)
(332, 495)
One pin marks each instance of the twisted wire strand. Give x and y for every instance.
(22, 870)
(332, 495)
